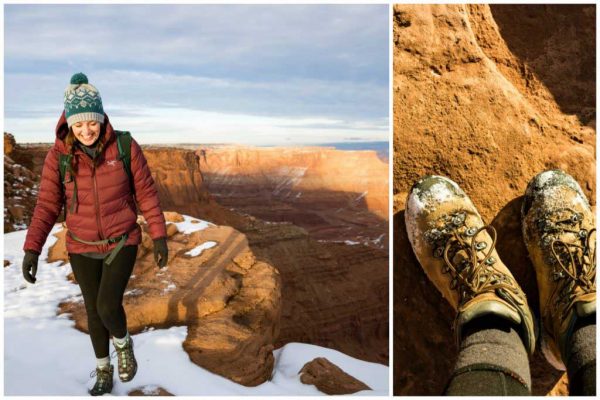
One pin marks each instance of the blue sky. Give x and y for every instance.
(248, 74)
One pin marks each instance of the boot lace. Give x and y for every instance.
(125, 356)
(103, 378)
(473, 271)
(574, 261)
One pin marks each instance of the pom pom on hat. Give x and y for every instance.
(79, 78)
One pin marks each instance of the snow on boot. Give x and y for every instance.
(559, 232)
(457, 252)
(126, 360)
(104, 380)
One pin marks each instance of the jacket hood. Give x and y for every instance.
(62, 130)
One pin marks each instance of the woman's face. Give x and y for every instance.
(86, 131)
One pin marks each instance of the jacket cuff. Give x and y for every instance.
(32, 251)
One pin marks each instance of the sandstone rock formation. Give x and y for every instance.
(333, 194)
(230, 301)
(334, 295)
(329, 378)
(20, 186)
(489, 96)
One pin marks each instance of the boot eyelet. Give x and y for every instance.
(481, 245)
(470, 231)
(583, 233)
(458, 219)
(490, 261)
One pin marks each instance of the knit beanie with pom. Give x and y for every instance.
(82, 101)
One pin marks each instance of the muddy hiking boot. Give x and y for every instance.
(104, 380)
(457, 252)
(559, 232)
(126, 360)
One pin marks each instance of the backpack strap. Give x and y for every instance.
(64, 165)
(124, 146)
(64, 160)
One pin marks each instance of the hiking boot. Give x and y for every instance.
(126, 360)
(559, 232)
(456, 251)
(104, 380)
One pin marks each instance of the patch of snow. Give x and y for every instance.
(351, 242)
(196, 251)
(187, 227)
(170, 287)
(151, 390)
(59, 358)
(420, 201)
(378, 240)
(133, 292)
(545, 177)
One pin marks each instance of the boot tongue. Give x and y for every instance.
(461, 259)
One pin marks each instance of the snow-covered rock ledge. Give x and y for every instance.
(58, 358)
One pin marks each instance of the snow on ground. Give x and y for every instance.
(196, 251)
(191, 224)
(45, 355)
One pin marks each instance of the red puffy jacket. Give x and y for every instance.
(105, 205)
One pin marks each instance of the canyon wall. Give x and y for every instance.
(333, 194)
(333, 294)
(488, 96)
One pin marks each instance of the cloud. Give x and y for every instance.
(281, 62)
(178, 125)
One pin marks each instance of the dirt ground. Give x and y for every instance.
(488, 96)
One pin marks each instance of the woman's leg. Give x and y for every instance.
(88, 273)
(112, 286)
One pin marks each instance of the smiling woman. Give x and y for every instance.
(86, 132)
(102, 238)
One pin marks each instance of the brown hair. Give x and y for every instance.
(70, 142)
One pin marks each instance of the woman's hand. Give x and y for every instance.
(161, 252)
(30, 264)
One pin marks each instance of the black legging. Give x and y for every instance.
(102, 287)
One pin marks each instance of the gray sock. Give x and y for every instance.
(103, 362)
(121, 341)
(493, 342)
(581, 358)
